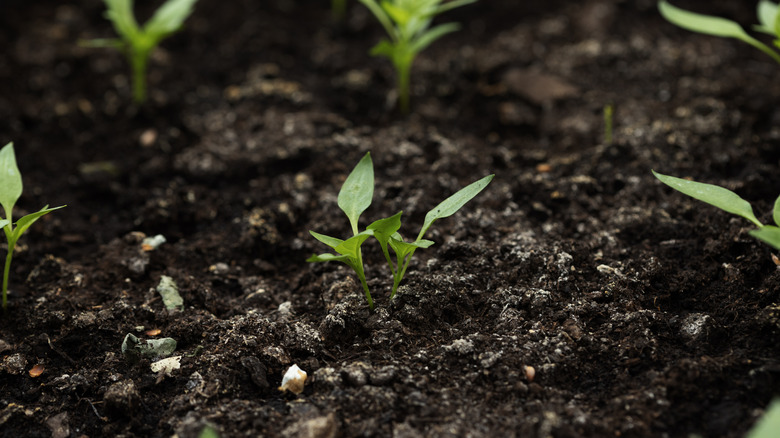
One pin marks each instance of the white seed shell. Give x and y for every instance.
(293, 380)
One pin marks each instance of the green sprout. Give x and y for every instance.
(721, 27)
(10, 191)
(355, 197)
(729, 202)
(137, 42)
(407, 22)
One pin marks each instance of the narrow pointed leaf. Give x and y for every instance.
(120, 13)
(351, 246)
(714, 195)
(767, 15)
(768, 234)
(384, 228)
(358, 191)
(451, 5)
(449, 206)
(327, 257)
(169, 17)
(327, 240)
(380, 15)
(776, 212)
(397, 14)
(26, 221)
(383, 48)
(3, 223)
(432, 35)
(10, 180)
(706, 24)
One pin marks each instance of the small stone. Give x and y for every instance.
(257, 371)
(122, 398)
(460, 346)
(293, 380)
(319, 427)
(14, 364)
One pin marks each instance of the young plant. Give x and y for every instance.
(717, 26)
(137, 42)
(10, 191)
(729, 202)
(355, 197)
(407, 22)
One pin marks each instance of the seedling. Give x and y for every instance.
(729, 202)
(717, 26)
(407, 22)
(355, 197)
(10, 191)
(137, 42)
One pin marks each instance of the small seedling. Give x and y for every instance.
(729, 202)
(10, 191)
(355, 197)
(407, 22)
(138, 42)
(722, 27)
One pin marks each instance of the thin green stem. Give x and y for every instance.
(404, 72)
(362, 277)
(139, 60)
(401, 272)
(6, 273)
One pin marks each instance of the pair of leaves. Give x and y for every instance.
(10, 191)
(721, 27)
(166, 20)
(729, 202)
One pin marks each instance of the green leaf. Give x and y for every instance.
(768, 234)
(112, 43)
(384, 228)
(769, 423)
(26, 221)
(776, 212)
(327, 240)
(3, 223)
(710, 25)
(451, 5)
(714, 195)
(351, 246)
(358, 191)
(767, 16)
(327, 257)
(380, 15)
(400, 15)
(432, 35)
(384, 48)
(706, 24)
(120, 12)
(10, 180)
(449, 206)
(403, 248)
(169, 18)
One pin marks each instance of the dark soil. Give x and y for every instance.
(642, 312)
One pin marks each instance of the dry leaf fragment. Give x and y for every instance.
(37, 370)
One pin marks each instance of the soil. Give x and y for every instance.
(576, 296)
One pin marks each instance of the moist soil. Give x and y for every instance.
(575, 296)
